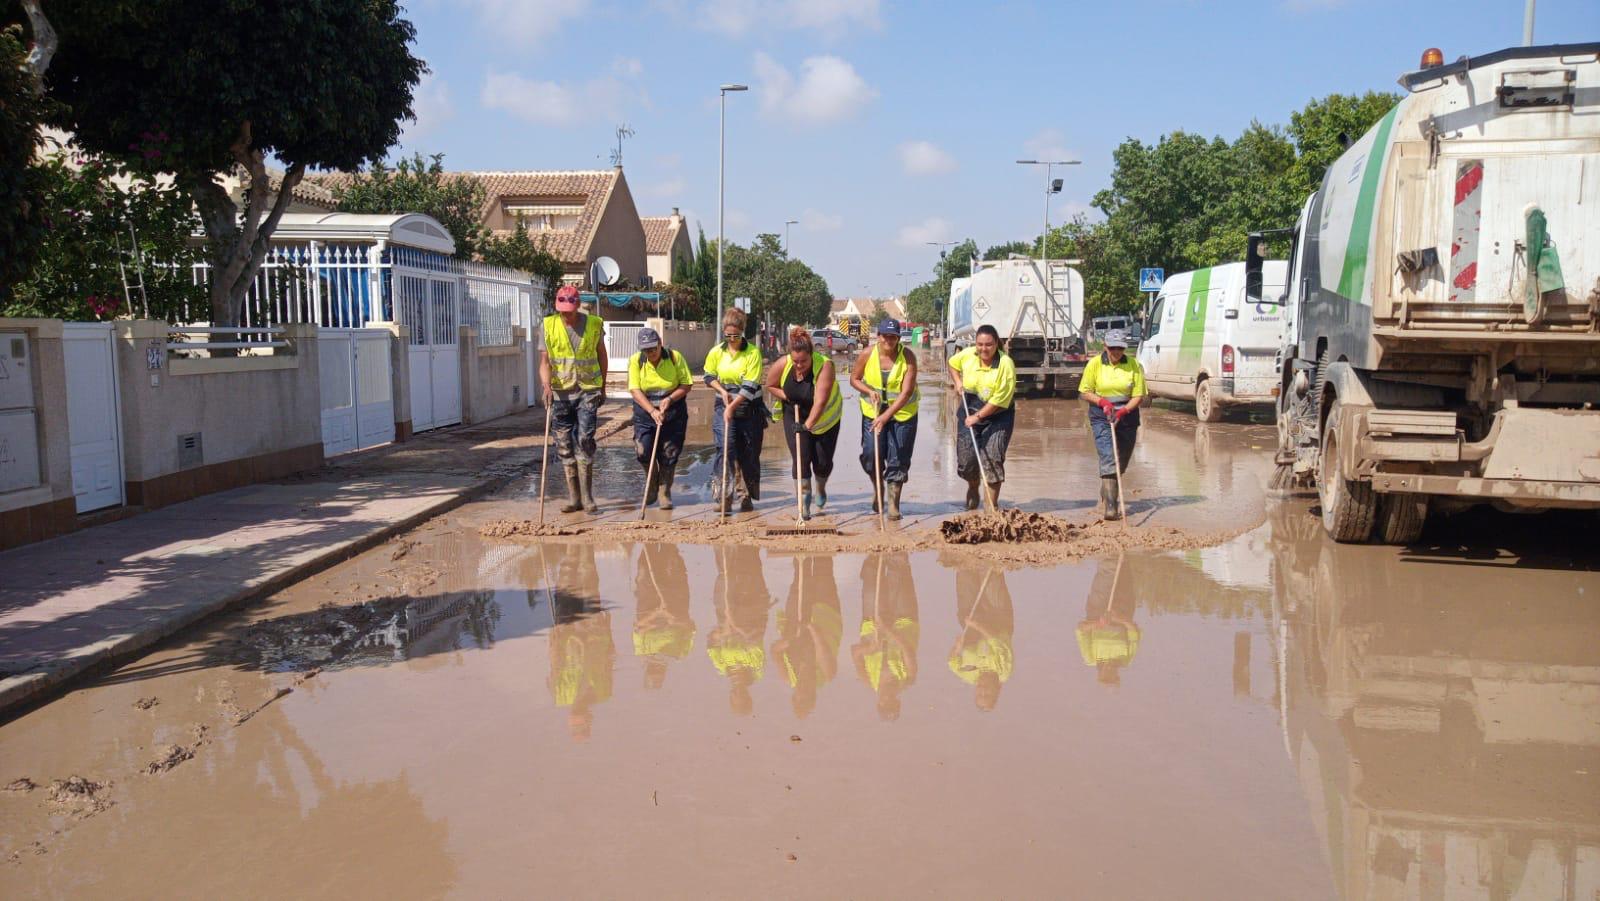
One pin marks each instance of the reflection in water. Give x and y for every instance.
(886, 656)
(810, 628)
(1446, 727)
(982, 656)
(663, 630)
(582, 653)
(736, 644)
(370, 633)
(1107, 637)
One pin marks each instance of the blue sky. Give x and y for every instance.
(881, 125)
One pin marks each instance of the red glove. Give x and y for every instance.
(1117, 417)
(1107, 406)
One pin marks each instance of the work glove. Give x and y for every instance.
(1117, 417)
(1107, 406)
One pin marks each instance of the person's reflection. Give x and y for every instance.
(1107, 637)
(662, 629)
(735, 645)
(982, 655)
(810, 629)
(582, 653)
(886, 656)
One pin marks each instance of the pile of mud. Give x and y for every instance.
(508, 528)
(1008, 526)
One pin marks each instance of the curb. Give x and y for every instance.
(40, 685)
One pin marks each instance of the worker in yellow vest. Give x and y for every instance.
(886, 656)
(798, 383)
(810, 630)
(582, 653)
(737, 644)
(886, 377)
(663, 630)
(733, 371)
(1108, 639)
(1113, 386)
(984, 379)
(573, 371)
(983, 656)
(659, 380)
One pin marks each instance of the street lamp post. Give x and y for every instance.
(1044, 239)
(722, 158)
(786, 225)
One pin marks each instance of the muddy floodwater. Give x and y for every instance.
(452, 714)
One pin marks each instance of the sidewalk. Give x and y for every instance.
(106, 591)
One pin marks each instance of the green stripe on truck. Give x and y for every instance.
(1194, 320)
(1354, 275)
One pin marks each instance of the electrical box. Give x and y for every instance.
(16, 372)
(19, 422)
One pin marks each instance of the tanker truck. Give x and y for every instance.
(1040, 326)
(1442, 337)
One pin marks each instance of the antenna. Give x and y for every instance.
(623, 132)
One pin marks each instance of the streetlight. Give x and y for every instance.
(941, 245)
(786, 225)
(722, 158)
(1050, 187)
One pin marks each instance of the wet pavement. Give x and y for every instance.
(449, 715)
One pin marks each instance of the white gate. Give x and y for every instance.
(430, 307)
(93, 424)
(622, 342)
(357, 389)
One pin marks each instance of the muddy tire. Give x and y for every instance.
(1349, 507)
(1206, 408)
(1400, 518)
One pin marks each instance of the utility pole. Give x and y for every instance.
(786, 225)
(722, 157)
(1527, 23)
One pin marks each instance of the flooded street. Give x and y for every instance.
(1274, 716)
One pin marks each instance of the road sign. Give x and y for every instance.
(1150, 279)
(742, 303)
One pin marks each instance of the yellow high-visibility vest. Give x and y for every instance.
(831, 412)
(574, 369)
(897, 376)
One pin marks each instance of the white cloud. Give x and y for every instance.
(526, 21)
(925, 158)
(818, 221)
(828, 90)
(736, 18)
(431, 103)
(920, 233)
(1048, 144)
(736, 219)
(560, 103)
(627, 67)
(672, 187)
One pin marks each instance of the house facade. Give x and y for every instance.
(580, 215)
(666, 244)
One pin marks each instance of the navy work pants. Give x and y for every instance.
(574, 416)
(1127, 434)
(896, 443)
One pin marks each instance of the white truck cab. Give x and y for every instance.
(1208, 344)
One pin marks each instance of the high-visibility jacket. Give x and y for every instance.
(1107, 643)
(897, 376)
(571, 368)
(995, 384)
(734, 653)
(987, 655)
(669, 641)
(658, 379)
(828, 625)
(831, 411)
(1113, 381)
(890, 655)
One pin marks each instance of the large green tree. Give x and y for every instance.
(787, 289)
(22, 108)
(519, 250)
(200, 89)
(421, 185)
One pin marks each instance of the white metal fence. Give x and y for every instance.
(350, 285)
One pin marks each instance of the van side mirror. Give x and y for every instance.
(1253, 263)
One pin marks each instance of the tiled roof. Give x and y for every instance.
(569, 245)
(659, 233)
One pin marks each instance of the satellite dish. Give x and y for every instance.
(604, 272)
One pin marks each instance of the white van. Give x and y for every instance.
(1206, 344)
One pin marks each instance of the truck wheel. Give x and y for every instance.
(1348, 506)
(1206, 408)
(1401, 517)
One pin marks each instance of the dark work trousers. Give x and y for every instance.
(573, 417)
(994, 436)
(673, 428)
(745, 445)
(895, 443)
(816, 451)
(1127, 434)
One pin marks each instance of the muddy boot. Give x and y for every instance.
(972, 495)
(666, 486)
(1108, 498)
(877, 499)
(994, 495)
(652, 488)
(822, 493)
(586, 483)
(805, 499)
(894, 499)
(574, 493)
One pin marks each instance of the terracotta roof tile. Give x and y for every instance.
(659, 233)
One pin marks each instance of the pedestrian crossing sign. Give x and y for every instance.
(1150, 279)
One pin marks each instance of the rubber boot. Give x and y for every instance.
(1109, 498)
(994, 496)
(805, 499)
(894, 499)
(652, 488)
(822, 493)
(972, 494)
(743, 491)
(586, 482)
(574, 492)
(666, 486)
